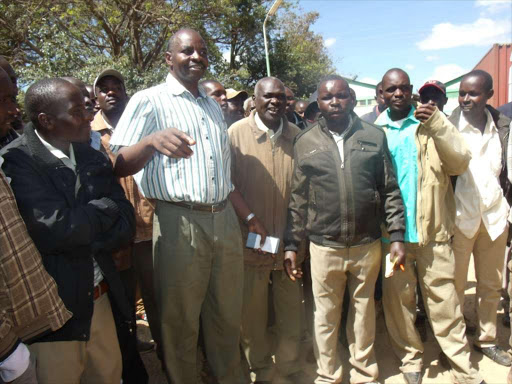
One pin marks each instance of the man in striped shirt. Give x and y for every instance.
(175, 139)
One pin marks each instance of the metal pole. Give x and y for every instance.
(271, 12)
(266, 45)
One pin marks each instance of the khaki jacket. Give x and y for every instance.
(442, 152)
(263, 173)
(144, 208)
(30, 305)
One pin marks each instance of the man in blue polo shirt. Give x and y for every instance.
(426, 149)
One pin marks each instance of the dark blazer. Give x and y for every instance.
(71, 227)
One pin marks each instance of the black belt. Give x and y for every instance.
(212, 208)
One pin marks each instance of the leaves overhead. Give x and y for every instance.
(81, 37)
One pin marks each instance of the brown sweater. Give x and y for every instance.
(262, 173)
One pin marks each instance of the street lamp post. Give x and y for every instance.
(272, 11)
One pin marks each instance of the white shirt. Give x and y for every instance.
(262, 127)
(70, 162)
(205, 177)
(478, 194)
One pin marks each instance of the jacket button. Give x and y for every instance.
(88, 293)
(84, 336)
(88, 173)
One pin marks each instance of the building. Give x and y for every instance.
(498, 62)
(365, 95)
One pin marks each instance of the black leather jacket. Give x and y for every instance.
(71, 227)
(343, 204)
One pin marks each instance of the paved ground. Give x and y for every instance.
(388, 363)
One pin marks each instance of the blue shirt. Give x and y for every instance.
(404, 155)
(203, 178)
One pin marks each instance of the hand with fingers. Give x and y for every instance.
(291, 268)
(173, 143)
(424, 111)
(397, 251)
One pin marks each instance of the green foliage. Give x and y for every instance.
(82, 37)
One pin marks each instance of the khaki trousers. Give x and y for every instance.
(97, 361)
(434, 268)
(489, 258)
(332, 269)
(255, 338)
(198, 266)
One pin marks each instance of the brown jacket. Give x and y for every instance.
(442, 152)
(144, 209)
(263, 173)
(29, 302)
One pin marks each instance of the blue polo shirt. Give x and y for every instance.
(404, 155)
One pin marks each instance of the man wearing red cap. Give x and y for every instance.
(433, 92)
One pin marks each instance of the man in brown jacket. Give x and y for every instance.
(29, 302)
(262, 164)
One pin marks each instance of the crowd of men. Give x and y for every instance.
(102, 193)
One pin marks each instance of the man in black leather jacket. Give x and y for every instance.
(76, 213)
(343, 189)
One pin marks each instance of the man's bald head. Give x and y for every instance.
(4, 64)
(395, 72)
(262, 82)
(173, 41)
(331, 77)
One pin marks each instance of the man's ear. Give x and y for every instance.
(490, 94)
(168, 59)
(45, 121)
(411, 88)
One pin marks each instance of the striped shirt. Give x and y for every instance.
(205, 177)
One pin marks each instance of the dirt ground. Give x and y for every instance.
(388, 363)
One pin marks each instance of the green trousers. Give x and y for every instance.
(198, 274)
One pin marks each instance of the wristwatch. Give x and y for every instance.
(249, 217)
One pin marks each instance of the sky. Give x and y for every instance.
(430, 39)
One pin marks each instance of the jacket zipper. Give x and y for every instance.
(419, 228)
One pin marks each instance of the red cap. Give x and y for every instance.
(434, 83)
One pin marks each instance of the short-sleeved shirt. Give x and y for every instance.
(205, 177)
(404, 155)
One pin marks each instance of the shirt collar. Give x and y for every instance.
(176, 88)
(385, 119)
(99, 123)
(2, 172)
(489, 125)
(57, 152)
(261, 126)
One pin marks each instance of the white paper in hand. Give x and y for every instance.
(390, 266)
(271, 243)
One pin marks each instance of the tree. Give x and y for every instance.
(44, 38)
(81, 37)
